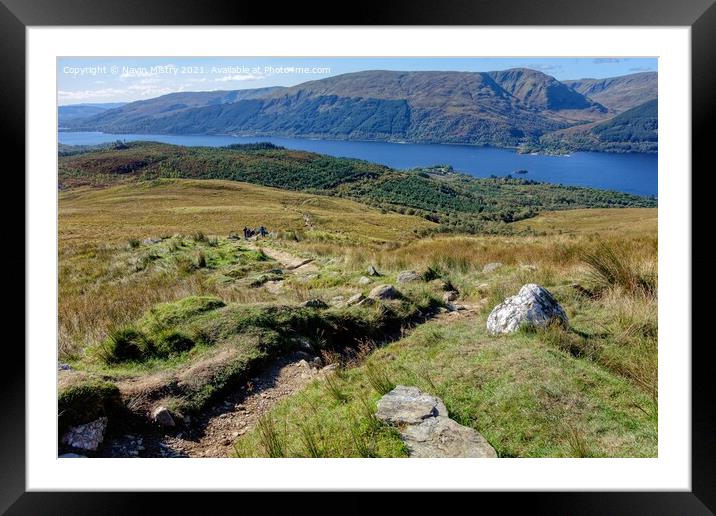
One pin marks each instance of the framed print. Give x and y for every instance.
(450, 250)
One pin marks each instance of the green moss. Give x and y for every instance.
(172, 342)
(85, 402)
(166, 315)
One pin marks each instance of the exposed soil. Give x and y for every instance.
(213, 433)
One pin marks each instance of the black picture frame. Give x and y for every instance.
(16, 15)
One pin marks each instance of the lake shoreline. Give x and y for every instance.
(633, 173)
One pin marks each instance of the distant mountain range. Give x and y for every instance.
(511, 108)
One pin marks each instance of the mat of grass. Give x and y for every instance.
(526, 396)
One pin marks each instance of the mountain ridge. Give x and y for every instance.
(508, 108)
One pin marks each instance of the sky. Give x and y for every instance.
(125, 79)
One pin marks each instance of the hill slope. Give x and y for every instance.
(498, 108)
(619, 93)
(634, 130)
(457, 201)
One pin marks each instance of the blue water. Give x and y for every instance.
(631, 173)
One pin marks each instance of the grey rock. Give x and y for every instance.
(425, 427)
(355, 299)
(364, 280)
(304, 344)
(63, 367)
(532, 306)
(316, 363)
(315, 303)
(372, 271)
(490, 267)
(443, 437)
(163, 417)
(150, 241)
(449, 296)
(86, 437)
(383, 292)
(408, 406)
(408, 276)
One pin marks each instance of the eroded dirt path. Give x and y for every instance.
(213, 433)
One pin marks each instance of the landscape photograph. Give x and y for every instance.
(357, 257)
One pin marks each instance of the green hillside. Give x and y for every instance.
(456, 201)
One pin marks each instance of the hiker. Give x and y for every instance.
(262, 231)
(246, 233)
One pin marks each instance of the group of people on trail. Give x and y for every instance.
(260, 231)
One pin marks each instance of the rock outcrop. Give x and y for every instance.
(407, 276)
(163, 417)
(425, 427)
(533, 306)
(383, 292)
(86, 437)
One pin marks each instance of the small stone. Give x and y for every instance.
(408, 405)
(87, 436)
(302, 363)
(532, 306)
(449, 296)
(491, 267)
(383, 292)
(303, 344)
(63, 367)
(364, 280)
(372, 271)
(317, 363)
(408, 277)
(355, 299)
(163, 417)
(150, 241)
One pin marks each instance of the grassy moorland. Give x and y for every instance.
(457, 202)
(160, 303)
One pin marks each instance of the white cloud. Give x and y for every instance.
(240, 77)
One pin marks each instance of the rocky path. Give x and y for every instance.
(214, 432)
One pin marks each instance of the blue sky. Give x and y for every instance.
(124, 79)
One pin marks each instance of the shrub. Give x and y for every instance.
(269, 437)
(85, 402)
(334, 389)
(123, 344)
(611, 266)
(133, 243)
(200, 260)
(378, 378)
(172, 342)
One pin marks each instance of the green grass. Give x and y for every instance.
(527, 397)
